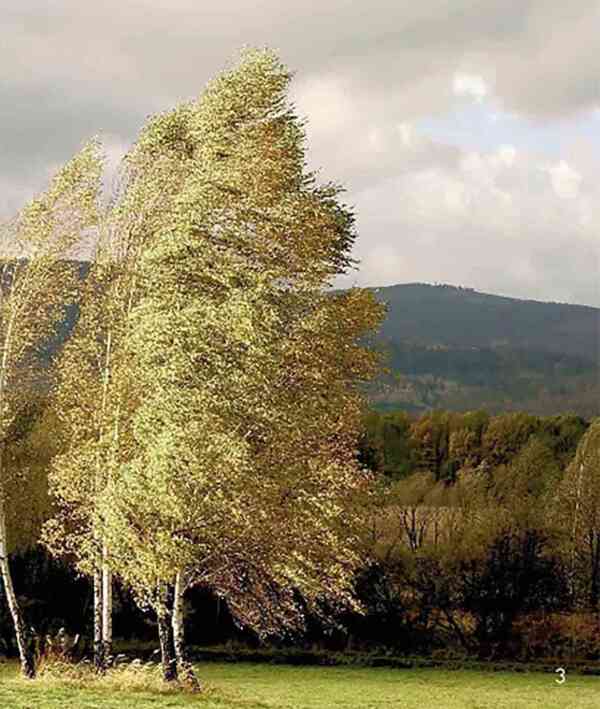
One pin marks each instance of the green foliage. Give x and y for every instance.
(445, 443)
(36, 284)
(575, 514)
(386, 444)
(31, 444)
(468, 552)
(218, 429)
(506, 435)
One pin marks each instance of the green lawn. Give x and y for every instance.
(262, 686)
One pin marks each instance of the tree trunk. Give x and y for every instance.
(106, 610)
(571, 572)
(184, 666)
(165, 635)
(98, 647)
(24, 640)
(101, 578)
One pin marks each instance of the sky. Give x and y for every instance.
(466, 132)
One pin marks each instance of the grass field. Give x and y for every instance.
(261, 686)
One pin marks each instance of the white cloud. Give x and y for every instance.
(489, 220)
(375, 141)
(470, 85)
(565, 180)
(406, 134)
(457, 197)
(505, 155)
(327, 101)
(72, 69)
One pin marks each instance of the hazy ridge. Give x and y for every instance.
(460, 349)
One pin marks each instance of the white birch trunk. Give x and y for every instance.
(100, 580)
(106, 609)
(184, 666)
(98, 647)
(24, 644)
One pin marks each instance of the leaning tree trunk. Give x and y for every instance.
(184, 666)
(101, 602)
(165, 634)
(106, 609)
(24, 641)
(98, 646)
(571, 573)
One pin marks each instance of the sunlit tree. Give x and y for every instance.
(576, 516)
(248, 406)
(95, 394)
(36, 283)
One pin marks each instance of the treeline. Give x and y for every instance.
(444, 443)
(485, 534)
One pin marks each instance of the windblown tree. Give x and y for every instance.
(36, 283)
(95, 393)
(576, 516)
(248, 405)
(87, 400)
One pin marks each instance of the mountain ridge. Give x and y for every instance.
(469, 289)
(469, 349)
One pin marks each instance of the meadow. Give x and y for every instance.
(261, 686)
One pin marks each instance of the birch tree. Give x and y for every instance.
(576, 517)
(86, 402)
(96, 391)
(36, 285)
(248, 409)
(95, 394)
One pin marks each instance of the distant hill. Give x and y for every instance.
(459, 349)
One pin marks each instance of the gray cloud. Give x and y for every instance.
(507, 222)
(366, 72)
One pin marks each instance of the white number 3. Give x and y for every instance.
(562, 673)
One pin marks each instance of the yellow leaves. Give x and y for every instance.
(219, 431)
(53, 222)
(44, 232)
(249, 91)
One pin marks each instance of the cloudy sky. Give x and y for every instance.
(467, 132)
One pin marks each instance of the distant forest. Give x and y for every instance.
(443, 443)
(457, 349)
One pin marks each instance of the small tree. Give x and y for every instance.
(35, 285)
(576, 517)
(95, 394)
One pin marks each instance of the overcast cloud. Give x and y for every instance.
(467, 132)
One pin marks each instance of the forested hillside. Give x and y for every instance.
(458, 349)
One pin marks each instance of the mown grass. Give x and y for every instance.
(260, 686)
